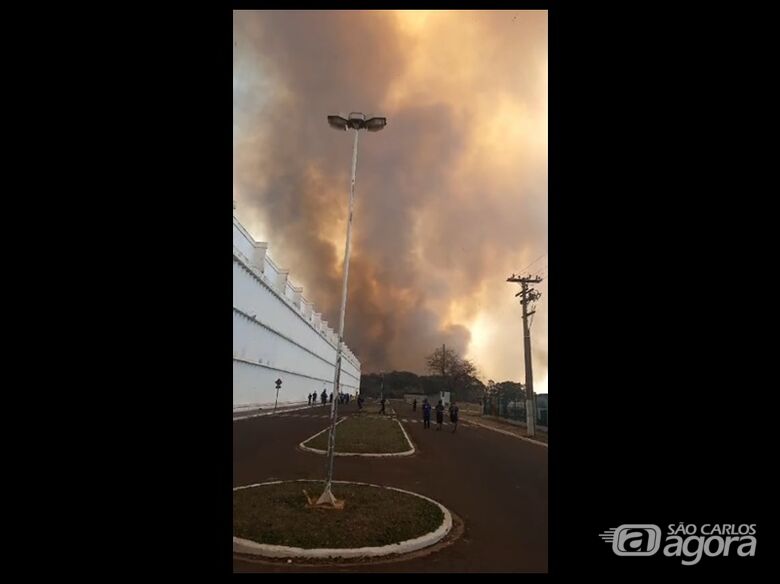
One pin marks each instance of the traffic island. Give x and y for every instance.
(273, 520)
(364, 436)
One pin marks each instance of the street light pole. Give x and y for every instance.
(356, 122)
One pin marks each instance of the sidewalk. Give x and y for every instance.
(504, 427)
(269, 410)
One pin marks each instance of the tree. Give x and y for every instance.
(448, 363)
(510, 390)
(445, 362)
(458, 375)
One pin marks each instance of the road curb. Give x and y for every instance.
(315, 450)
(245, 546)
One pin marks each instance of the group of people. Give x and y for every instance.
(326, 399)
(426, 412)
(344, 398)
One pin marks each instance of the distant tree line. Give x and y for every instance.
(448, 371)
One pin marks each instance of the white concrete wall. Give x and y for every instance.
(278, 333)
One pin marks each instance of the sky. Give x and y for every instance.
(451, 197)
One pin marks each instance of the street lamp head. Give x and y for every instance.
(338, 122)
(375, 124)
(357, 121)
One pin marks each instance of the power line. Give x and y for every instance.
(533, 262)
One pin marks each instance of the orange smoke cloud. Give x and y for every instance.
(451, 196)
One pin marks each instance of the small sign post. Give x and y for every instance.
(278, 387)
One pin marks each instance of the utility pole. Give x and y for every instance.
(527, 296)
(443, 371)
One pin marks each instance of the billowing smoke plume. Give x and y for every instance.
(451, 196)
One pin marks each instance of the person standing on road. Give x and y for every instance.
(382, 411)
(454, 416)
(331, 397)
(324, 396)
(439, 415)
(414, 405)
(309, 399)
(426, 411)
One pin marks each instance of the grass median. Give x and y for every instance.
(365, 435)
(372, 516)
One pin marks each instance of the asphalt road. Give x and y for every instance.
(496, 483)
